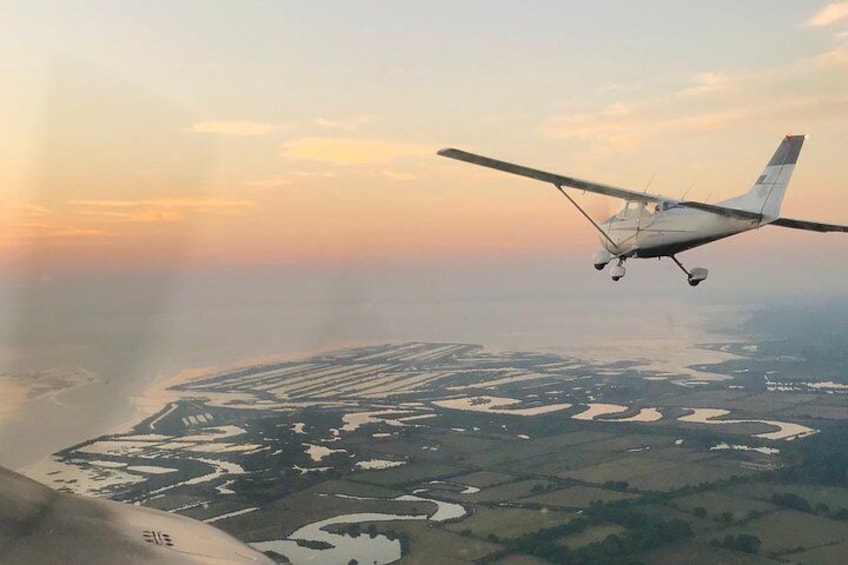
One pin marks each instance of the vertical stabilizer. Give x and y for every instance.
(766, 196)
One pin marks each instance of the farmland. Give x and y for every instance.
(418, 449)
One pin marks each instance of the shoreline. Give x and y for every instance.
(141, 404)
(652, 351)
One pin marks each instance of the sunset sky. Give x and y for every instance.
(210, 134)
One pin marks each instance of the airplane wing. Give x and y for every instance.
(588, 186)
(40, 525)
(557, 180)
(721, 210)
(810, 226)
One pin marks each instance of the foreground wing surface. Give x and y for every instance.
(557, 180)
(40, 525)
(809, 226)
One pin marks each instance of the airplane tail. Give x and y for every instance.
(766, 196)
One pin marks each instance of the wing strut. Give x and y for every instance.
(585, 215)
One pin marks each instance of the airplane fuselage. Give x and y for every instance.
(641, 231)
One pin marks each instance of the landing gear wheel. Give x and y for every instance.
(697, 276)
(694, 277)
(600, 260)
(617, 272)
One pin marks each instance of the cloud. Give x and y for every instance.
(829, 15)
(188, 202)
(609, 130)
(238, 128)
(68, 232)
(712, 121)
(804, 91)
(144, 216)
(348, 123)
(24, 232)
(36, 210)
(617, 125)
(707, 83)
(13, 211)
(617, 110)
(352, 151)
(270, 182)
(397, 175)
(160, 209)
(619, 87)
(837, 56)
(313, 174)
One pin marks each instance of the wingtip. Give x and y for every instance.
(444, 151)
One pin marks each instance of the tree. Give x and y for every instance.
(742, 542)
(753, 514)
(748, 543)
(700, 512)
(792, 501)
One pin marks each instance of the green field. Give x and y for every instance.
(591, 535)
(450, 547)
(406, 474)
(510, 491)
(577, 497)
(484, 479)
(835, 498)
(520, 560)
(694, 554)
(688, 473)
(717, 502)
(836, 553)
(508, 522)
(788, 531)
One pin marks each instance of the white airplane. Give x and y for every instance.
(651, 225)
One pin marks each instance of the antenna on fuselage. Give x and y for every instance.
(642, 207)
(687, 191)
(645, 191)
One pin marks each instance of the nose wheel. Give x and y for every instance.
(617, 272)
(694, 277)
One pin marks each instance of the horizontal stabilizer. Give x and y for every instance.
(810, 226)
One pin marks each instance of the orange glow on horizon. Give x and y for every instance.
(150, 166)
